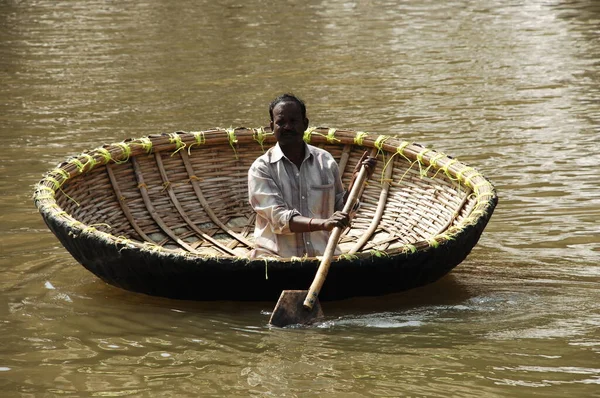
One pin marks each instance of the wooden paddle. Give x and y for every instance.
(301, 306)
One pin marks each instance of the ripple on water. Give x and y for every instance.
(509, 87)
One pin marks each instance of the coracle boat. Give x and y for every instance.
(168, 215)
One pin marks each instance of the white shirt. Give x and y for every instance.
(278, 190)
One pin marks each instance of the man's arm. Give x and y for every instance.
(305, 224)
(266, 199)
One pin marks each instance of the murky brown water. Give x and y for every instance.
(510, 87)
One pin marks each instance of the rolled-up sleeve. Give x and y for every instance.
(267, 200)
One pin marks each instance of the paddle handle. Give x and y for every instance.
(323, 269)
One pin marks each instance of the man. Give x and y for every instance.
(296, 188)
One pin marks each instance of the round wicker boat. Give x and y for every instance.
(168, 215)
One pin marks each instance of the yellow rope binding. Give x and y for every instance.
(175, 138)
(446, 170)
(40, 196)
(379, 143)
(378, 253)
(360, 137)
(194, 178)
(433, 242)
(309, 131)
(41, 187)
(125, 152)
(104, 154)
(259, 136)
(468, 179)
(399, 151)
(200, 139)
(145, 143)
(232, 140)
(348, 256)
(55, 183)
(476, 187)
(408, 248)
(63, 173)
(422, 172)
(331, 136)
(90, 163)
(70, 198)
(77, 163)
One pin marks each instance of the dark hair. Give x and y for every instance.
(287, 98)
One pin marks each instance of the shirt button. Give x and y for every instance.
(308, 243)
(303, 197)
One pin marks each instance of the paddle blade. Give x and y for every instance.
(290, 309)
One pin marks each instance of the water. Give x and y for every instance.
(510, 87)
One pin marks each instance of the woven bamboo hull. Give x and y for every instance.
(168, 215)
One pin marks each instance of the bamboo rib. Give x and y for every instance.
(385, 243)
(206, 206)
(175, 201)
(360, 194)
(372, 154)
(152, 210)
(378, 213)
(344, 158)
(123, 204)
(454, 214)
(342, 169)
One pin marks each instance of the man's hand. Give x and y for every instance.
(369, 162)
(337, 219)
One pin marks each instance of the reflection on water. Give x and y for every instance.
(510, 87)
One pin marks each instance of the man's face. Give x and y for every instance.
(288, 125)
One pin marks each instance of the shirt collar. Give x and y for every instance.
(277, 153)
